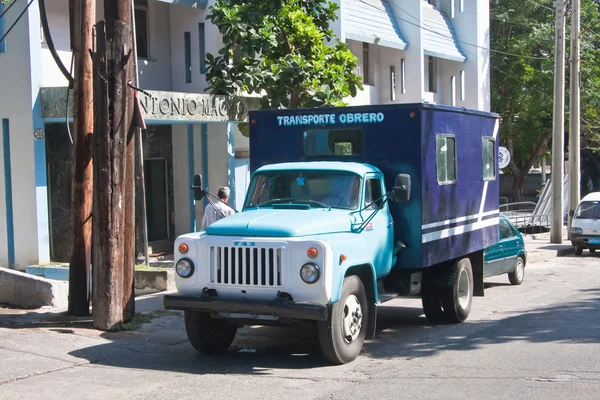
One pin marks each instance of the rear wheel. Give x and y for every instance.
(592, 250)
(516, 277)
(208, 335)
(578, 250)
(457, 298)
(342, 336)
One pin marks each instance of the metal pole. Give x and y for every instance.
(574, 107)
(558, 126)
(136, 83)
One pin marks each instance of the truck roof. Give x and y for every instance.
(357, 168)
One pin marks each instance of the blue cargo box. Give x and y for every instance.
(450, 154)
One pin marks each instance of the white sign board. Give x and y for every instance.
(503, 157)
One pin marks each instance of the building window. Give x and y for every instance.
(431, 74)
(462, 85)
(2, 29)
(202, 48)
(452, 90)
(188, 56)
(392, 83)
(445, 158)
(432, 2)
(141, 28)
(366, 69)
(488, 158)
(402, 77)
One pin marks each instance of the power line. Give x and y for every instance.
(450, 37)
(541, 5)
(16, 22)
(8, 8)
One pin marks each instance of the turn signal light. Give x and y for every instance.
(312, 253)
(183, 248)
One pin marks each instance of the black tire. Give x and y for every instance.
(578, 250)
(333, 341)
(592, 250)
(461, 278)
(516, 277)
(432, 305)
(208, 335)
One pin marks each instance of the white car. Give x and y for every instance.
(585, 228)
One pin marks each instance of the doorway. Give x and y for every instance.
(157, 205)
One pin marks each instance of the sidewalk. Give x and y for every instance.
(539, 248)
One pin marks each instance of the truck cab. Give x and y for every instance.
(343, 212)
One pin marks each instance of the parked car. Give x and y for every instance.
(585, 228)
(508, 256)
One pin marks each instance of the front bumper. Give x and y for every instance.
(586, 241)
(276, 308)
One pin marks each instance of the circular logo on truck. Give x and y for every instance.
(503, 157)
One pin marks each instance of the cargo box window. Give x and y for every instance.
(445, 158)
(332, 142)
(488, 158)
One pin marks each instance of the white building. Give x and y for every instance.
(408, 51)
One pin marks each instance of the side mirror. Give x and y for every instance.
(401, 188)
(197, 187)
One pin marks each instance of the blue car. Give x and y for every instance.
(508, 256)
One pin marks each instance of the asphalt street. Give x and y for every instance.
(539, 340)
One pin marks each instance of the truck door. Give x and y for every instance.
(379, 232)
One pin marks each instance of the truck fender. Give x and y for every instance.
(366, 273)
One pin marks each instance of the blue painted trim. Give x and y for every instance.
(188, 56)
(41, 184)
(204, 144)
(2, 30)
(190, 143)
(10, 231)
(231, 160)
(202, 47)
(57, 120)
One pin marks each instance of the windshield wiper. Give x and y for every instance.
(265, 203)
(315, 202)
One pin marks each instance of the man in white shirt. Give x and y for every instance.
(219, 210)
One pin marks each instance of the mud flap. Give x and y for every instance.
(372, 327)
(477, 267)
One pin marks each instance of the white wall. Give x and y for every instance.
(16, 87)
(155, 72)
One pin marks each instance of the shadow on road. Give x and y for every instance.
(402, 332)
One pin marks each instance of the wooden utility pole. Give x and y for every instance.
(83, 17)
(112, 66)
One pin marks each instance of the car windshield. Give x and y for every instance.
(315, 188)
(588, 210)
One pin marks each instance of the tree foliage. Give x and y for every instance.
(279, 49)
(523, 87)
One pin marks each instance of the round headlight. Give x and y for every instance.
(184, 268)
(576, 231)
(310, 273)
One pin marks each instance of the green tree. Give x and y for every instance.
(283, 50)
(522, 87)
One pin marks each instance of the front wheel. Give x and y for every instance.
(342, 336)
(208, 335)
(516, 277)
(578, 250)
(458, 297)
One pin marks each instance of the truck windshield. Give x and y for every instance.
(588, 210)
(315, 188)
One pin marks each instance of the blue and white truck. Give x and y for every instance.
(347, 207)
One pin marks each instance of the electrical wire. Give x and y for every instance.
(8, 8)
(67, 103)
(450, 37)
(16, 22)
(541, 5)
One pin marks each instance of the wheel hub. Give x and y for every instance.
(463, 289)
(351, 319)
(520, 270)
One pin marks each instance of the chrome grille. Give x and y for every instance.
(245, 266)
